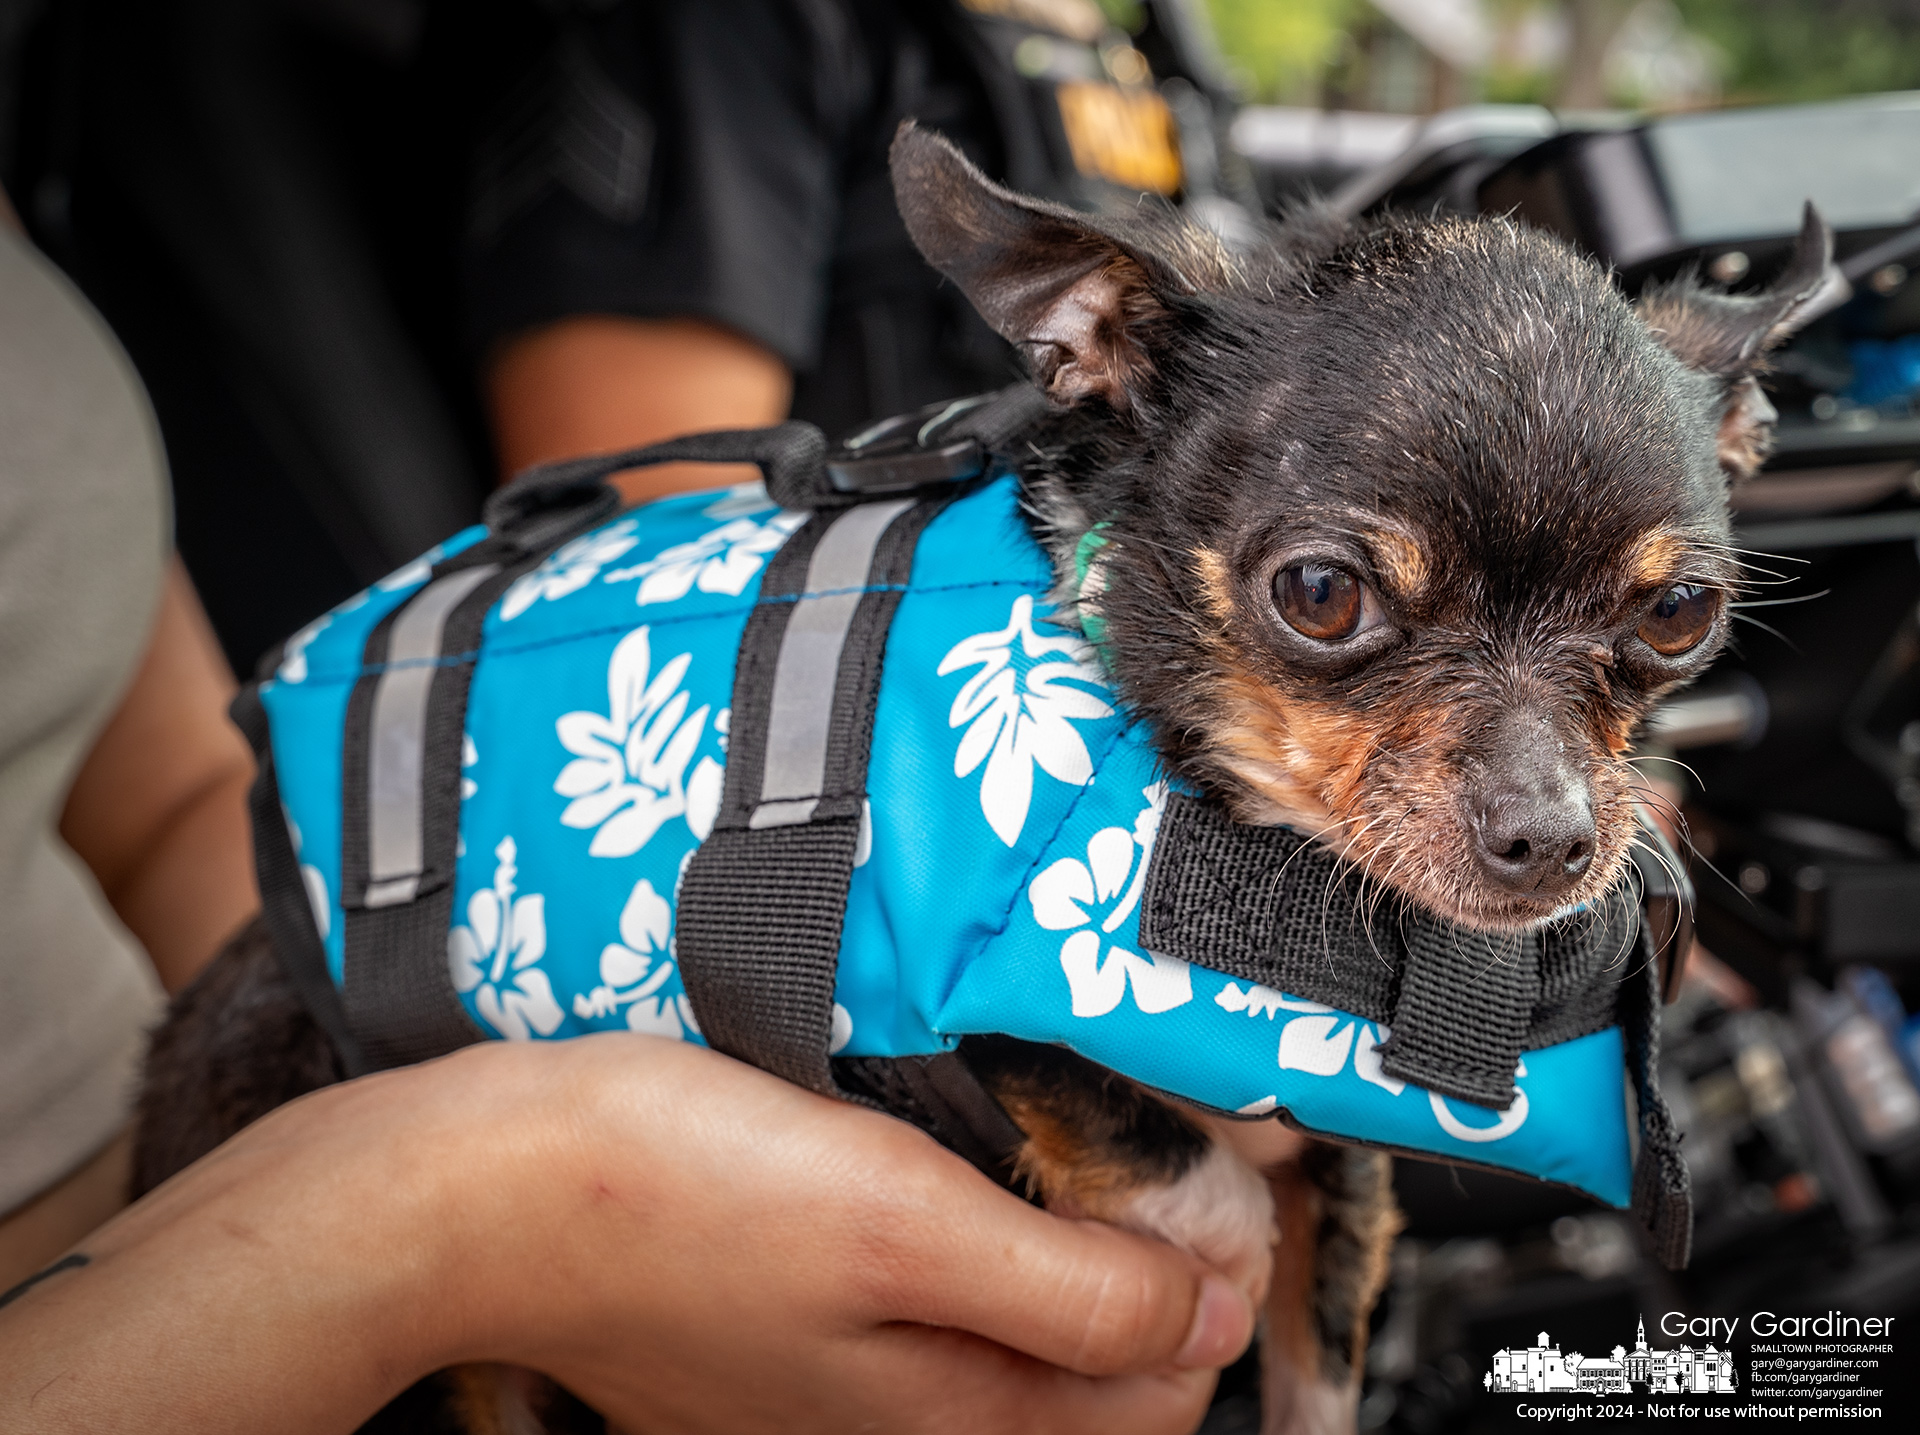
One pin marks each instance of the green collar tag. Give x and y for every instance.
(1090, 580)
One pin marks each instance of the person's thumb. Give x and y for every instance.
(1077, 1294)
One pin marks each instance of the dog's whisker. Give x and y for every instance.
(1640, 886)
(1274, 886)
(1638, 842)
(1336, 875)
(1766, 628)
(1657, 802)
(1780, 602)
(1665, 861)
(1658, 757)
(1369, 904)
(1658, 798)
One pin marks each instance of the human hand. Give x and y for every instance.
(688, 1243)
(722, 1251)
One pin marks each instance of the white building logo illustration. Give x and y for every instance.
(1543, 1369)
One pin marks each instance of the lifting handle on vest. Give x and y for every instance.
(789, 455)
(948, 442)
(936, 447)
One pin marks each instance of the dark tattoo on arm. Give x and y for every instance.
(65, 1263)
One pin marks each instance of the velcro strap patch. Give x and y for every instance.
(1268, 905)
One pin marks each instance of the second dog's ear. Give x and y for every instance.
(1727, 335)
(1071, 297)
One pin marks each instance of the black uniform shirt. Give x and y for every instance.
(680, 158)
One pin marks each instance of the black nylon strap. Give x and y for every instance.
(1662, 1186)
(942, 1096)
(788, 454)
(758, 935)
(1267, 905)
(1460, 1021)
(283, 891)
(397, 992)
(397, 996)
(764, 899)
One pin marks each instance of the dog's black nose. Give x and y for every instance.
(1531, 810)
(1534, 841)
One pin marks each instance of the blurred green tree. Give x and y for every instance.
(1303, 51)
(1810, 49)
(1281, 50)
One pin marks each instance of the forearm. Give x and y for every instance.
(639, 1218)
(194, 886)
(596, 383)
(288, 1282)
(39, 1231)
(159, 810)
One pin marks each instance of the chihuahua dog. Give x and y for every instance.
(1408, 522)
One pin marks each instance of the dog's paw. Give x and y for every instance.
(1310, 1406)
(1109, 1150)
(1218, 1208)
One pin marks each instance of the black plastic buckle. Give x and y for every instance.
(904, 453)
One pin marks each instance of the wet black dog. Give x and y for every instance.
(1399, 527)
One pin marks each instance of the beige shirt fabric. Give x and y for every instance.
(83, 540)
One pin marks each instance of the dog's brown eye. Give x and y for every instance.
(1681, 618)
(1318, 600)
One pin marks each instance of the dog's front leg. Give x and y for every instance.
(1337, 1223)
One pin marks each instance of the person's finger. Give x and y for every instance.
(963, 1384)
(903, 1378)
(1076, 1294)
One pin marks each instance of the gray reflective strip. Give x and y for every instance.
(399, 734)
(801, 709)
(789, 813)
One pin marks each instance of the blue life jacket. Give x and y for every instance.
(495, 776)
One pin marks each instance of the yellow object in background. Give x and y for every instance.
(1127, 136)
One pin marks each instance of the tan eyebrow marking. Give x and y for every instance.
(1400, 559)
(1216, 583)
(1656, 558)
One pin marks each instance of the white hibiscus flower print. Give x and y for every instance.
(1317, 1042)
(293, 660)
(740, 501)
(499, 950)
(633, 970)
(293, 653)
(413, 573)
(629, 774)
(1019, 711)
(1068, 896)
(469, 755)
(1511, 1119)
(313, 879)
(570, 567)
(724, 560)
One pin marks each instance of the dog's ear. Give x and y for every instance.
(1075, 299)
(1727, 335)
